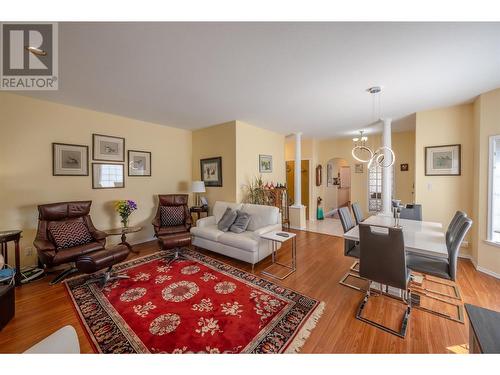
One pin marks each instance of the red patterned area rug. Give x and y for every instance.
(193, 305)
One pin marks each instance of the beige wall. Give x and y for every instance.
(403, 145)
(28, 128)
(442, 196)
(321, 151)
(486, 123)
(214, 141)
(239, 144)
(252, 141)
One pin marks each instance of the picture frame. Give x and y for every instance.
(265, 163)
(108, 148)
(108, 176)
(358, 168)
(404, 167)
(70, 159)
(139, 163)
(211, 171)
(443, 160)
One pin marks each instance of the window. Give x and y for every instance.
(111, 175)
(494, 190)
(375, 188)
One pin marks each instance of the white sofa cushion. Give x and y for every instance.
(260, 216)
(209, 232)
(220, 208)
(246, 241)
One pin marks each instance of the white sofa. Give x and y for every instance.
(246, 246)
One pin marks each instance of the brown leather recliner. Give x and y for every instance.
(48, 252)
(177, 234)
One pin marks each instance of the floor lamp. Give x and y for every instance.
(198, 187)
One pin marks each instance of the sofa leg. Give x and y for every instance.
(63, 275)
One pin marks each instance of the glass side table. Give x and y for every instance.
(123, 233)
(275, 241)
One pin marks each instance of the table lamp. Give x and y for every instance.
(198, 187)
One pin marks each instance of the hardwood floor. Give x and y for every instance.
(41, 309)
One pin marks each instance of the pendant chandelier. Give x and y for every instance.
(364, 154)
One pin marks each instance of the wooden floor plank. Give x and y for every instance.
(42, 309)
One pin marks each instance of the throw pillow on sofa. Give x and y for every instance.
(227, 220)
(241, 223)
(69, 234)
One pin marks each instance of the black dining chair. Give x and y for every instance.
(358, 214)
(383, 261)
(351, 248)
(411, 212)
(444, 268)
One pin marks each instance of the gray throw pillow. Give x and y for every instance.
(227, 220)
(241, 223)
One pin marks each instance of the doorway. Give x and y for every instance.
(338, 185)
(290, 182)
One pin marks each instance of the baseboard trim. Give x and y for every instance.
(486, 271)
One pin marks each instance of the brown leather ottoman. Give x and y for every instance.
(98, 260)
(175, 241)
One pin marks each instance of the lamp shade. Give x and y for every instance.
(198, 187)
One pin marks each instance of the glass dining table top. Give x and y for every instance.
(421, 237)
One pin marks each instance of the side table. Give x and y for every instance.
(123, 233)
(198, 210)
(6, 237)
(275, 241)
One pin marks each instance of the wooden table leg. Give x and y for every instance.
(129, 246)
(17, 278)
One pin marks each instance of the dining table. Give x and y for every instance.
(420, 237)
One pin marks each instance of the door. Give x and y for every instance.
(290, 182)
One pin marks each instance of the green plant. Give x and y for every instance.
(256, 193)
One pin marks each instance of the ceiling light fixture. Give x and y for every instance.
(364, 154)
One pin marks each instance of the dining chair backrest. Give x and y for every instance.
(411, 212)
(382, 255)
(358, 215)
(453, 245)
(453, 224)
(346, 219)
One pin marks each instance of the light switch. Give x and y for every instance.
(429, 186)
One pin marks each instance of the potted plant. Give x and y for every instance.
(125, 209)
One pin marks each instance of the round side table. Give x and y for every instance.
(123, 233)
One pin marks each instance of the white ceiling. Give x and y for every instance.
(288, 77)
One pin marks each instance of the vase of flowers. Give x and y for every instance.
(124, 209)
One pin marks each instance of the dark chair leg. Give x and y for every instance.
(63, 275)
(404, 324)
(106, 277)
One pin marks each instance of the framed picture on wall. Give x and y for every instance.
(70, 160)
(443, 160)
(108, 176)
(139, 163)
(108, 148)
(265, 163)
(358, 168)
(404, 167)
(211, 171)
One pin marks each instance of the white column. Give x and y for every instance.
(298, 171)
(387, 172)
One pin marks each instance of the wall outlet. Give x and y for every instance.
(465, 244)
(28, 251)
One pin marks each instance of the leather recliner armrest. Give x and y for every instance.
(99, 235)
(44, 245)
